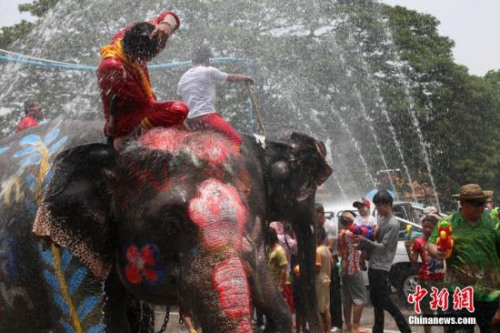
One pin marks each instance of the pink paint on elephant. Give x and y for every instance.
(164, 139)
(234, 294)
(213, 150)
(219, 212)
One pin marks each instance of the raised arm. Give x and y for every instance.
(239, 78)
(165, 25)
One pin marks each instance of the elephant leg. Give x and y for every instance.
(115, 306)
(215, 287)
(267, 298)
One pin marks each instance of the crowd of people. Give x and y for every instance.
(472, 263)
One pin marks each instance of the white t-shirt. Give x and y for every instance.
(370, 221)
(197, 88)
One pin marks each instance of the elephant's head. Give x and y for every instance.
(170, 213)
(295, 167)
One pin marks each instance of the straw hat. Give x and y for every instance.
(472, 192)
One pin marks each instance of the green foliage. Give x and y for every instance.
(13, 33)
(457, 112)
(38, 7)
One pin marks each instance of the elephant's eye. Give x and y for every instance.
(173, 219)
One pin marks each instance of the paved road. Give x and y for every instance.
(366, 320)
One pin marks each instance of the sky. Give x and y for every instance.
(472, 24)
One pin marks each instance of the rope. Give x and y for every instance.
(8, 56)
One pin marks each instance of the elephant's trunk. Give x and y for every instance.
(230, 281)
(304, 223)
(218, 293)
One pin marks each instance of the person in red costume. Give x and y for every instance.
(125, 87)
(33, 111)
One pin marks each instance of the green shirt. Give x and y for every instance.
(474, 260)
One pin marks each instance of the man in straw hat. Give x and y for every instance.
(474, 258)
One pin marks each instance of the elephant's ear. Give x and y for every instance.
(74, 212)
(295, 167)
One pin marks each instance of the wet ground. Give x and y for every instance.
(366, 320)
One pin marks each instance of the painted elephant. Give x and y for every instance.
(41, 290)
(177, 217)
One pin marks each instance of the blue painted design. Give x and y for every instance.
(30, 160)
(29, 140)
(51, 280)
(56, 146)
(76, 279)
(8, 258)
(99, 328)
(47, 179)
(67, 326)
(65, 259)
(25, 151)
(46, 255)
(51, 136)
(61, 304)
(30, 182)
(87, 306)
(30, 155)
(32, 208)
(30, 151)
(3, 150)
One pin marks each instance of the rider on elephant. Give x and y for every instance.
(128, 101)
(197, 87)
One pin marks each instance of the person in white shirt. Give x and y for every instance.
(364, 218)
(197, 88)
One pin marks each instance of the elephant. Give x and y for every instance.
(41, 290)
(177, 217)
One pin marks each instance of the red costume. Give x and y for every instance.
(26, 123)
(135, 104)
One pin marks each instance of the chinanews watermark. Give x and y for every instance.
(463, 300)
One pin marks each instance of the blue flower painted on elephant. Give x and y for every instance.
(3, 150)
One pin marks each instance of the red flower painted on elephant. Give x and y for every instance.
(142, 264)
(220, 213)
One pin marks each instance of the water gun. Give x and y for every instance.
(408, 232)
(364, 230)
(444, 240)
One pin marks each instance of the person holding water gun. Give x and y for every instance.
(473, 261)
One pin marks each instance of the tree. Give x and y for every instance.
(10, 34)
